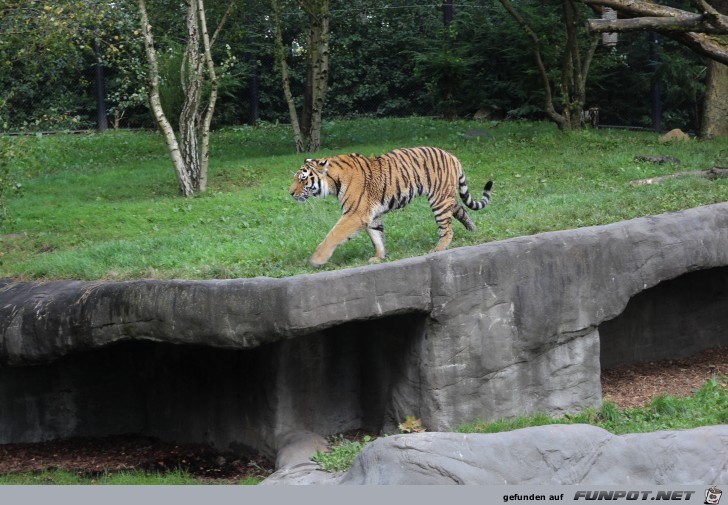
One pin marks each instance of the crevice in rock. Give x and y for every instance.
(673, 319)
(359, 375)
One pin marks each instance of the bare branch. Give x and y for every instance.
(689, 28)
(705, 8)
(281, 64)
(536, 49)
(702, 44)
(697, 23)
(230, 8)
(639, 8)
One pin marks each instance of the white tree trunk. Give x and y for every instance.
(185, 184)
(207, 120)
(191, 75)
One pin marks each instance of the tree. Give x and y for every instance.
(696, 30)
(444, 67)
(307, 130)
(571, 87)
(188, 151)
(705, 32)
(46, 50)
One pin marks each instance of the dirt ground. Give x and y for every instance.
(636, 385)
(627, 387)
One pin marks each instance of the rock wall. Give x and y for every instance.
(506, 328)
(546, 455)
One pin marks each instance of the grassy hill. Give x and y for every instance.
(105, 206)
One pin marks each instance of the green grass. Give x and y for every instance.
(342, 454)
(708, 406)
(104, 206)
(131, 478)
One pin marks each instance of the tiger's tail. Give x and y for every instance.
(465, 194)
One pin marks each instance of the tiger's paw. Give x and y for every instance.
(313, 262)
(375, 259)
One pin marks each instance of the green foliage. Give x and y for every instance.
(609, 412)
(46, 54)
(707, 406)
(46, 58)
(342, 454)
(171, 93)
(444, 70)
(126, 478)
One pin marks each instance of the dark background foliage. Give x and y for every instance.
(388, 58)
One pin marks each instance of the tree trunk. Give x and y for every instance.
(191, 75)
(281, 63)
(185, 184)
(320, 71)
(212, 99)
(574, 70)
(536, 50)
(307, 108)
(715, 103)
(308, 129)
(190, 153)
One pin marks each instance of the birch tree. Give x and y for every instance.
(307, 129)
(188, 148)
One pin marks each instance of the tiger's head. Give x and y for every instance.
(310, 180)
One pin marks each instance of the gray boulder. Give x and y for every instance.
(554, 454)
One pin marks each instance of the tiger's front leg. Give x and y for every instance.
(343, 230)
(376, 234)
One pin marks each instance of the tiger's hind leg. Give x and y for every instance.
(443, 210)
(444, 230)
(376, 234)
(462, 215)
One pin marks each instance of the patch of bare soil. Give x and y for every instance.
(94, 456)
(636, 385)
(628, 387)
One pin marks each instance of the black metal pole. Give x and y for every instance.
(656, 85)
(447, 12)
(102, 123)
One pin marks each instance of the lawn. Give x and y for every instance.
(105, 206)
(59, 477)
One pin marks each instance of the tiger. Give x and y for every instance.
(368, 187)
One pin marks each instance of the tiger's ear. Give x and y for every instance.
(323, 166)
